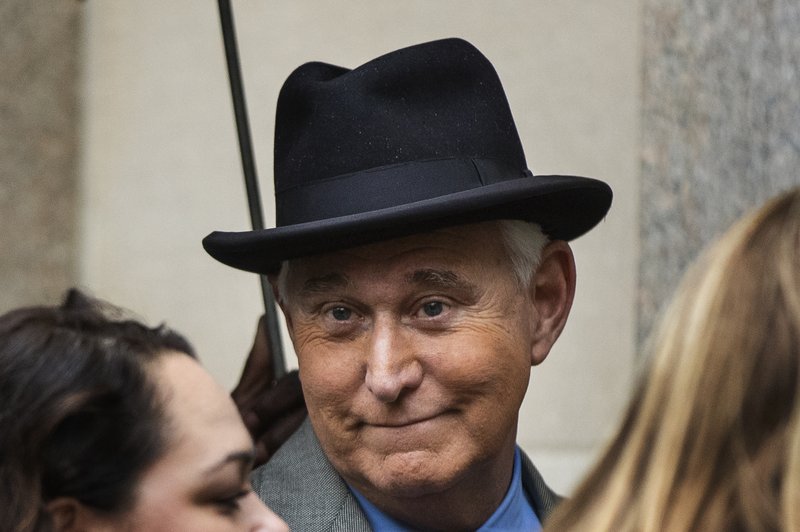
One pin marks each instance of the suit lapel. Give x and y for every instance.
(543, 499)
(300, 485)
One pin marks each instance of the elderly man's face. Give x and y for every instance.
(414, 355)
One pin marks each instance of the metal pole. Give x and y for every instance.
(249, 168)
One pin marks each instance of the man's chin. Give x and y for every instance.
(406, 475)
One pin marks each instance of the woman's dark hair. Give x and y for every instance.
(79, 415)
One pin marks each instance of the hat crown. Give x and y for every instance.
(436, 100)
(416, 140)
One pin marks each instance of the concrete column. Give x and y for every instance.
(39, 41)
(720, 127)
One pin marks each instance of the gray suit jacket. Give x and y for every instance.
(300, 485)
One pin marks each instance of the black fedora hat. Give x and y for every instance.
(418, 139)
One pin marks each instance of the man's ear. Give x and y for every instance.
(70, 515)
(552, 291)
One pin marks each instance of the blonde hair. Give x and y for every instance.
(711, 439)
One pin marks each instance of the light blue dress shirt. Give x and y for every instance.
(514, 512)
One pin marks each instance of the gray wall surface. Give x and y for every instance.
(720, 127)
(160, 167)
(39, 123)
(118, 154)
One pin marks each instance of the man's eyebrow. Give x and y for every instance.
(324, 283)
(245, 458)
(442, 279)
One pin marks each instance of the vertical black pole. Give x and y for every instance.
(249, 168)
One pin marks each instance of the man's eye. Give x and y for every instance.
(433, 308)
(341, 313)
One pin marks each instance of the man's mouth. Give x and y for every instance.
(402, 422)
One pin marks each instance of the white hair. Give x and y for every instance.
(523, 241)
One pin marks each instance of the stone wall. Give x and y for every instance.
(39, 47)
(720, 127)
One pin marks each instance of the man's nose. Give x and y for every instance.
(392, 363)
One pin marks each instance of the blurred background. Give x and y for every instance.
(118, 154)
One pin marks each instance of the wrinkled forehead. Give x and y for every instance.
(461, 250)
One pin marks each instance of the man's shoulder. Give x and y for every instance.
(300, 452)
(301, 485)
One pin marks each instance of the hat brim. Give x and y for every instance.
(566, 207)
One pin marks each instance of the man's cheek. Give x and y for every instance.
(473, 356)
(330, 381)
(309, 339)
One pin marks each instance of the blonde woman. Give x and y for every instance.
(711, 440)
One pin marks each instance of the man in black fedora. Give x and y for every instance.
(422, 270)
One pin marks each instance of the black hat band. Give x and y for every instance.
(388, 186)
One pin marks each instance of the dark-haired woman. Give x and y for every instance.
(106, 424)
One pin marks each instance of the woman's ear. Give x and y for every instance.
(552, 291)
(63, 513)
(70, 515)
